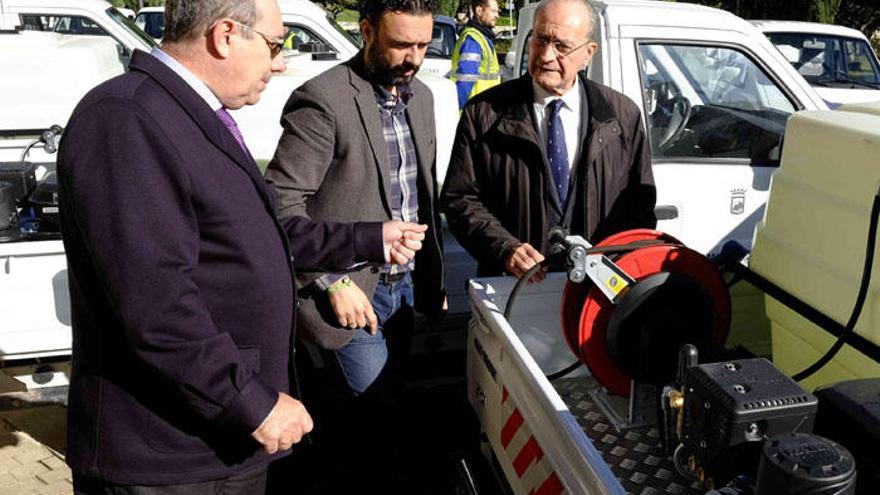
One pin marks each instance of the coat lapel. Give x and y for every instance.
(518, 122)
(204, 117)
(419, 116)
(368, 111)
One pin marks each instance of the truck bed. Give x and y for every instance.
(551, 437)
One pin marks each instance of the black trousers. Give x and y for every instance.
(251, 482)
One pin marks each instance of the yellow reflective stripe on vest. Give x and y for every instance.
(489, 73)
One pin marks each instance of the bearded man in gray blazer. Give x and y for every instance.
(359, 145)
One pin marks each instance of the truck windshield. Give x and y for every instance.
(826, 60)
(711, 102)
(129, 26)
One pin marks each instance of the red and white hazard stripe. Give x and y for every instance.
(534, 471)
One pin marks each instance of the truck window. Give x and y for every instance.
(861, 65)
(442, 43)
(829, 61)
(300, 35)
(65, 24)
(711, 102)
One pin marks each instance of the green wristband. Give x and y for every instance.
(346, 282)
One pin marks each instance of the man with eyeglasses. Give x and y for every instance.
(549, 148)
(180, 274)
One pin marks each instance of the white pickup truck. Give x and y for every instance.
(52, 53)
(715, 93)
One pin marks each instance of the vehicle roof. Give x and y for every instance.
(148, 10)
(298, 6)
(90, 4)
(654, 13)
(807, 27)
(444, 19)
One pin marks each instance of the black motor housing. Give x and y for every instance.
(9, 228)
(849, 414)
(805, 464)
(21, 176)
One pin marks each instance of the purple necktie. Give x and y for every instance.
(230, 124)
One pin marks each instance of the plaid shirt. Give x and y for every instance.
(402, 162)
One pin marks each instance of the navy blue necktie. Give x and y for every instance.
(557, 153)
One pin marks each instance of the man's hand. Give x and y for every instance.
(402, 240)
(284, 426)
(522, 258)
(352, 307)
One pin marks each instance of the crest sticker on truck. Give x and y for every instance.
(737, 201)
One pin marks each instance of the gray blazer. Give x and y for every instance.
(332, 164)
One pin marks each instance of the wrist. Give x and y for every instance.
(339, 285)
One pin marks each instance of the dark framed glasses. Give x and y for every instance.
(276, 45)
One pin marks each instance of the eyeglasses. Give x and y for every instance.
(276, 45)
(561, 49)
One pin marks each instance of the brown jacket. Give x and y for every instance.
(499, 191)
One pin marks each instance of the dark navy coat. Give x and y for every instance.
(180, 281)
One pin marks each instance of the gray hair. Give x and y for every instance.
(592, 17)
(188, 19)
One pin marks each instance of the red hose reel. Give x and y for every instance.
(678, 297)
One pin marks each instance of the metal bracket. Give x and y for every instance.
(610, 278)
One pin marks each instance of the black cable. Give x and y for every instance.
(519, 283)
(860, 299)
(568, 369)
(593, 250)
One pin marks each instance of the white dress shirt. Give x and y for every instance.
(194, 82)
(569, 113)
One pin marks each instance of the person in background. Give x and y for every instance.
(359, 145)
(549, 148)
(474, 61)
(180, 273)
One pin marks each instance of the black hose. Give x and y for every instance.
(533, 270)
(860, 299)
(568, 369)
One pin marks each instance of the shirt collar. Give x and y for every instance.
(386, 98)
(570, 98)
(194, 82)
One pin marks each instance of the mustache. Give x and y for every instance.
(404, 67)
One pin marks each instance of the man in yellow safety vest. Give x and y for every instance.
(474, 61)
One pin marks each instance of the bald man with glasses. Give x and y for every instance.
(181, 275)
(549, 148)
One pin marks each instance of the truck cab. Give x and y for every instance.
(80, 18)
(837, 61)
(714, 95)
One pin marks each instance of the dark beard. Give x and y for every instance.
(384, 75)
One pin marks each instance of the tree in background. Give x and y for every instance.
(863, 15)
(335, 7)
(137, 4)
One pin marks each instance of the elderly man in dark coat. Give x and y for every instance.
(550, 148)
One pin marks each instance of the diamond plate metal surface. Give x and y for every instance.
(634, 456)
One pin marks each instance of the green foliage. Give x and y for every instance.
(137, 4)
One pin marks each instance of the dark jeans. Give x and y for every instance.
(365, 361)
(251, 482)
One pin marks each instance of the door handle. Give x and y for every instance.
(666, 212)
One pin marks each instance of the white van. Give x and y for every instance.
(837, 61)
